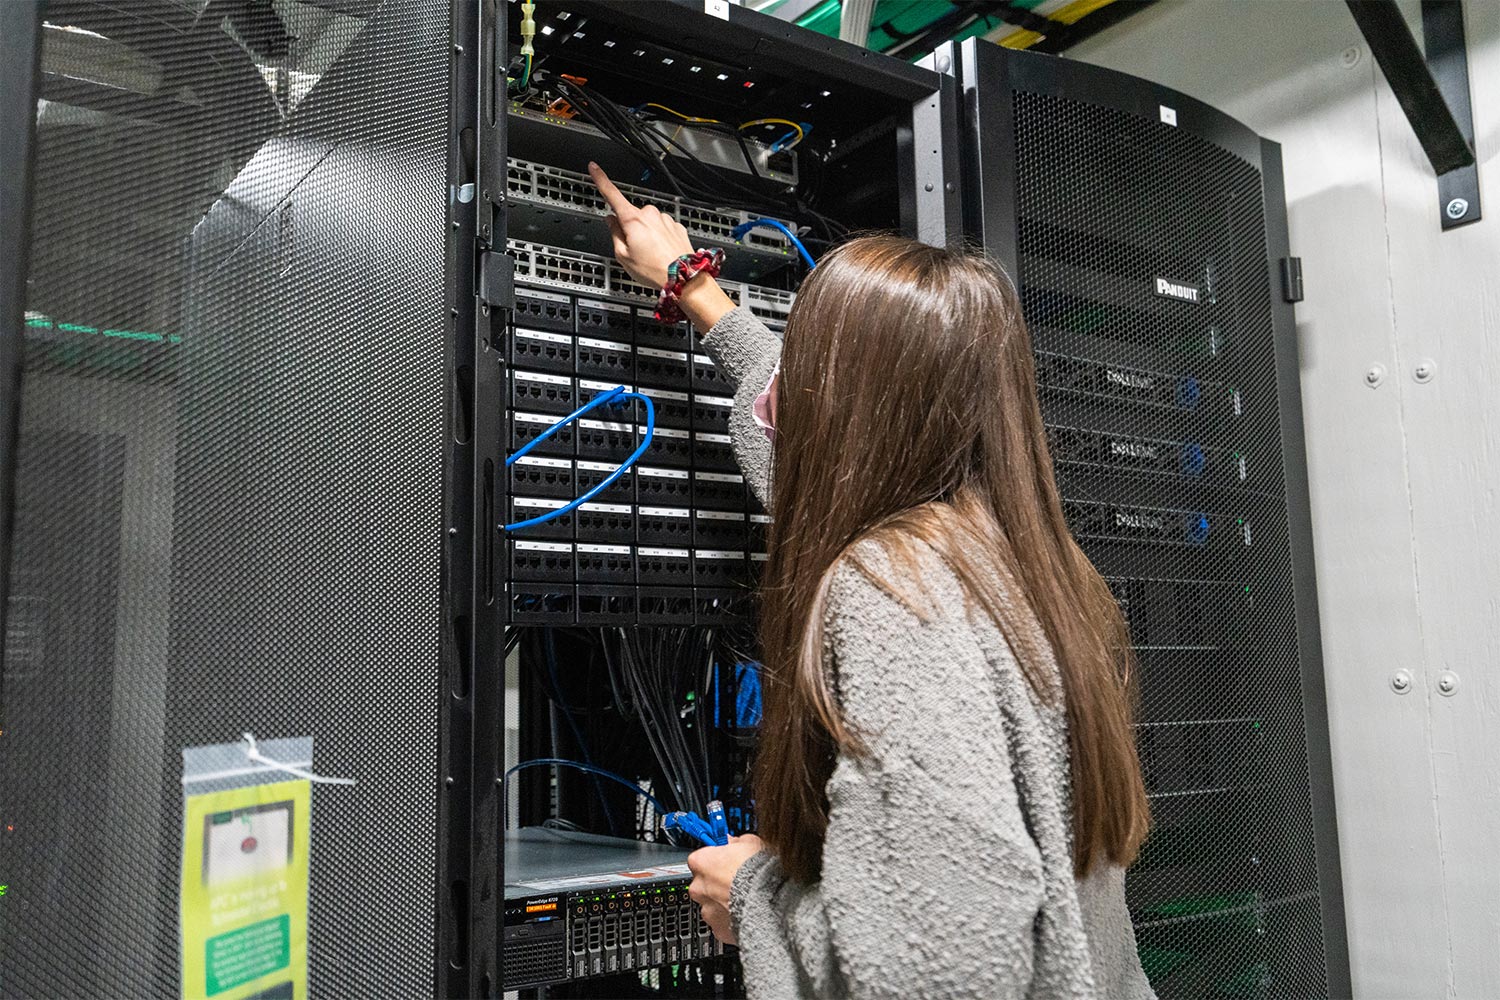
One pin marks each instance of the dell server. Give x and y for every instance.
(579, 905)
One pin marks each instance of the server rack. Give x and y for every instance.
(671, 548)
(1144, 231)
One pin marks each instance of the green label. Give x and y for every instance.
(248, 953)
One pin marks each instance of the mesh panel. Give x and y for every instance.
(1143, 271)
(229, 478)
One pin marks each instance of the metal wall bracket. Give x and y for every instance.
(1433, 91)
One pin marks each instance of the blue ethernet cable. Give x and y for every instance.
(749, 224)
(619, 392)
(696, 827)
(718, 822)
(661, 810)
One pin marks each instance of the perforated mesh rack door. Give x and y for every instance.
(1140, 227)
(229, 482)
(1142, 268)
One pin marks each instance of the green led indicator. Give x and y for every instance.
(691, 696)
(1239, 520)
(1255, 725)
(1247, 588)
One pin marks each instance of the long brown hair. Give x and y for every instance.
(908, 413)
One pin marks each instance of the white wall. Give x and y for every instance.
(1404, 476)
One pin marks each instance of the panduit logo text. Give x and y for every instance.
(1175, 290)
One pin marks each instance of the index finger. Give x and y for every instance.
(612, 196)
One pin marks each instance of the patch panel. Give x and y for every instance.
(714, 607)
(543, 391)
(717, 568)
(664, 525)
(670, 446)
(524, 508)
(657, 367)
(605, 605)
(605, 522)
(664, 566)
(720, 490)
(757, 566)
(541, 562)
(542, 350)
(652, 332)
(605, 319)
(759, 525)
(711, 413)
(526, 427)
(540, 603)
(674, 408)
(591, 474)
(671, 605)
(706, 376)
(605, 359)
(605, 439)
(546, 310)
(563, 351)
(664, 487)
(598, 562)
(714, 452)
(588, 388)
(539, 476)
(720, 529)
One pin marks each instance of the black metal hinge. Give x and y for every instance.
(1291, 279)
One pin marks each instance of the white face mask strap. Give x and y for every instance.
(254, 754)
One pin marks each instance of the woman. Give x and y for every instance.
(947, 786)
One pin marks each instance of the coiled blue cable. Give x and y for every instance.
(619, 392)
(745, 227)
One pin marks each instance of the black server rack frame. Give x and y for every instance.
(482, 308)
(1075, 362)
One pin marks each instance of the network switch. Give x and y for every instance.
(564, 207)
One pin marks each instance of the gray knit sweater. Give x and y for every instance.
(947, 864)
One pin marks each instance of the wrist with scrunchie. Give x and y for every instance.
(679, 273)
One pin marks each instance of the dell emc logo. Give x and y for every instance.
(1175, 290)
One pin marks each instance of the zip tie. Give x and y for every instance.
(255, 755)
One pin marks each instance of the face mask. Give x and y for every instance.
(764, 410)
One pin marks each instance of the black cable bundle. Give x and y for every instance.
(686, 174)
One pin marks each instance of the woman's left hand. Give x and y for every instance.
(714, 869)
